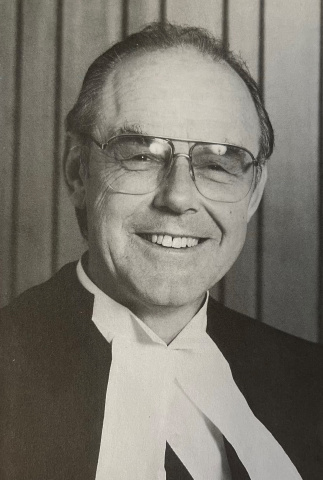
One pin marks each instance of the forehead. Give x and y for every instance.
(180, 93)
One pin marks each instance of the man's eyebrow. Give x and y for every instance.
(127, 128)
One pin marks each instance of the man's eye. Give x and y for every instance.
(218, 168)
(141, 162)
(141, 158)
(145, 158)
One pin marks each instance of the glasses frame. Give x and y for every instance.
(255, 161)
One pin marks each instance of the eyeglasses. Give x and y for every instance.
(138, 164)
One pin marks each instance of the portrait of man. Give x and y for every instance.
(122, 365)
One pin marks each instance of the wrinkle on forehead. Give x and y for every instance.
(178, 93)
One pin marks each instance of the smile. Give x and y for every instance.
(170, 241)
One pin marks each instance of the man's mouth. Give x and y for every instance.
(170, 241)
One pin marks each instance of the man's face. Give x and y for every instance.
(176, 94)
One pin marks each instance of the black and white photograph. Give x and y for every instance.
(161, 240)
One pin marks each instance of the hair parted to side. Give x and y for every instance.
(84, 116)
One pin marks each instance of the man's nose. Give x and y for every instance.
(177, 192)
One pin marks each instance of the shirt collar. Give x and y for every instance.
(112, 318)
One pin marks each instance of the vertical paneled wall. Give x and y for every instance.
(46, 48)
(290, 247)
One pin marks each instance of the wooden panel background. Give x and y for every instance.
(46, 48)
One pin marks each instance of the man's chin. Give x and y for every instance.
(170, 297)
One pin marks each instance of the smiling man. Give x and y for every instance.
(122, 366)
(193, 200)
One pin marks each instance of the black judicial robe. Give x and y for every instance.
(54, 369)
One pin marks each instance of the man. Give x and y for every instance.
(122, 366)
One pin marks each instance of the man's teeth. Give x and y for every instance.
(174, 242)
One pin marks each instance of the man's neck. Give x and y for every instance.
(166, 322)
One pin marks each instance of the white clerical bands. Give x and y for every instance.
(141, 385)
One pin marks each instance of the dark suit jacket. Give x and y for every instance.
(54, 373)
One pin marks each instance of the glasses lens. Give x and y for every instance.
(136, 164)
(222, 172)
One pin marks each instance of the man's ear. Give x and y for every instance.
(258, 191)
(74, 171)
